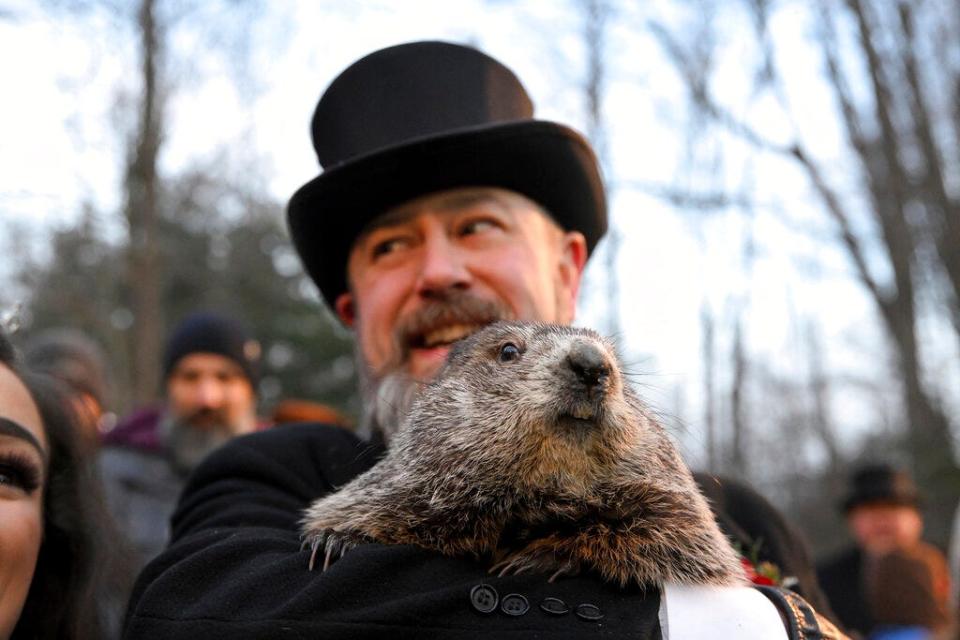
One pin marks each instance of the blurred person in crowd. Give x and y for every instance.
(210, 374)
(905, 599)
(55, 574)
(882, 510)
(444, 206)
(76, 360)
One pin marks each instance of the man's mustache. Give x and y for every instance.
(205, 417)
(389, 392)
(452, 308)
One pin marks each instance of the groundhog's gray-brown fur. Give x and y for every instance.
(537, 457)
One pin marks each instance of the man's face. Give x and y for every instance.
(880, 527)
(210, 392)
(209, 400)
(430, 271)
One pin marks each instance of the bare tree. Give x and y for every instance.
(903, 167)
(144, 122)
(142, 208)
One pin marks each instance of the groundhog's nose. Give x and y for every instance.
(588, 363)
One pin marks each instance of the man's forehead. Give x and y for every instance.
(205, 362)
(451, 201)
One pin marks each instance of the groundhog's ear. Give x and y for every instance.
(345, 308)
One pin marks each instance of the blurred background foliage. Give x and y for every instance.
(244, 267)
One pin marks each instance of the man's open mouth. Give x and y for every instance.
(443, 336)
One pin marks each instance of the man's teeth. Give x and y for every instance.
(448, 334)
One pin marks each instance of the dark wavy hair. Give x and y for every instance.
(74, 575)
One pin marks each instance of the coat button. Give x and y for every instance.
(514, 604)
(555, 606)
(589, 612)
(484, 598)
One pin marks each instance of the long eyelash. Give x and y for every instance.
(21, 471)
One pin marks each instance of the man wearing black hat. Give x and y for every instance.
(882, 510)
(210, 372)
(443, 206)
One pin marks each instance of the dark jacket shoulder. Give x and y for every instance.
(267, 478)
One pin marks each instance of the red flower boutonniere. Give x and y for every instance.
(764, 572)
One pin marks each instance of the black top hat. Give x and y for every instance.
(881, 483)
(422, 117)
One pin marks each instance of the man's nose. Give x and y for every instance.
(443, 267)
(209, 393)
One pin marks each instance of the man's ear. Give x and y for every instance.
(345, 309)
(573, 259)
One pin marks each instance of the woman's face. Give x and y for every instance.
(23, 465)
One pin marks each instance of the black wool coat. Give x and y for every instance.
(842, 580)
(235, 568)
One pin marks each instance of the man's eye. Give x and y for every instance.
(476, 226)
(387, 246)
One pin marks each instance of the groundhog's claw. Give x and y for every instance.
(503, 567)
(334, 543)
(525, 562)
(566, 570)
(313, 552)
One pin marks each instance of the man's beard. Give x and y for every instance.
(188, 444)
(388, 394)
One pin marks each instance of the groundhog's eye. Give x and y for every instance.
(509, 352)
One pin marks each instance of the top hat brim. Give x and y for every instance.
(549, 163)
(880, 497)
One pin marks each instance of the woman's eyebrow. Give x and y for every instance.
(10, 428)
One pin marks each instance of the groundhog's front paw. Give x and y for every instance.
(541, 556)
(333, 543)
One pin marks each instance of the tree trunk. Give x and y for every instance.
(738, 419)
(142, 212)
(819, 388)
(709, 395)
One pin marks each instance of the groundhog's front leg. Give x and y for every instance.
(374, 510)
(356, 514)
(617, 554)
(647, 543)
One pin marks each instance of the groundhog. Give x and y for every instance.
(530, 451)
